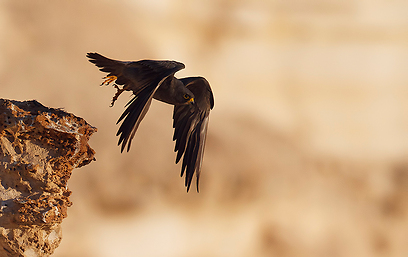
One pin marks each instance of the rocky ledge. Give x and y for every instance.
(39, 148)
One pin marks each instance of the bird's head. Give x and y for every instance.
(189, 98)
(180, 95)
(185, 96)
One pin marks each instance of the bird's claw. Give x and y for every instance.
(108, 80)
(117, 94)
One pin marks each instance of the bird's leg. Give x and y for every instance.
(115, 97)
(108, 80)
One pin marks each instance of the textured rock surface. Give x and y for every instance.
(39, 148)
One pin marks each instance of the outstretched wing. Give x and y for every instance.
(143, 78)
(190, 123)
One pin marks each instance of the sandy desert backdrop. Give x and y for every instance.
(308, 140)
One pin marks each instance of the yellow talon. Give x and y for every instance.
(108, 80)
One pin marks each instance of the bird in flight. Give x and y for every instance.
(150, 79)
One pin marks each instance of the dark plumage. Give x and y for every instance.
(192, 99)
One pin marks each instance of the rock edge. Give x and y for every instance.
(39, 148)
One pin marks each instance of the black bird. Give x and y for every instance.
(192, 99)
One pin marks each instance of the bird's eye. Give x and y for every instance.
(186, 96)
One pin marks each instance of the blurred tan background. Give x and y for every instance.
(308, 141)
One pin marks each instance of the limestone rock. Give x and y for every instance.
(39, 148)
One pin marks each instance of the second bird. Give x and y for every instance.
(192, 99)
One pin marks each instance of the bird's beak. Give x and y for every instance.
(191, 100)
